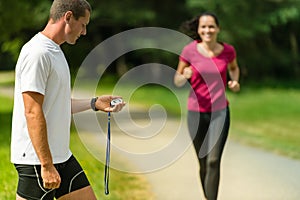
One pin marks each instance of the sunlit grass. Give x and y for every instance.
(268, 118)
(8, 174)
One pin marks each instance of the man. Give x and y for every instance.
(43, 108)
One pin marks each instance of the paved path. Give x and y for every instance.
(7, 91)
(247, 173)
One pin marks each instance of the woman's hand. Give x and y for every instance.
(234, 86)
(187, 72)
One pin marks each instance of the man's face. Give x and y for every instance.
(75, 28)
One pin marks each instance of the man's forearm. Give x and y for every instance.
(79, 105)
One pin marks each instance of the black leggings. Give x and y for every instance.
(209, 132)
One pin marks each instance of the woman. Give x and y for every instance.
(204, 63)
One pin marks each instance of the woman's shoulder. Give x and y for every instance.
(190, 45)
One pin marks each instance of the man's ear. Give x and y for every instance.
(68, 16)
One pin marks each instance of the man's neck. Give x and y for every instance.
(54, 31)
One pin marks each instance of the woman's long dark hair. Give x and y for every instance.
(190, 27)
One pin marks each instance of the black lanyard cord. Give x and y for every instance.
(106, 172)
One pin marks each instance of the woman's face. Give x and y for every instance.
(208, 29)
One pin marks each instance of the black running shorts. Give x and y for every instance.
(30, 184)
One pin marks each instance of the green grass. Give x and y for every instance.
(8, 175)
(267, 118)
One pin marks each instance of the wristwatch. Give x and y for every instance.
(93, 102)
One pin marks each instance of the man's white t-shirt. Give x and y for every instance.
(42, 68)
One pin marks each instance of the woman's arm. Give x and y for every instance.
(234, 73)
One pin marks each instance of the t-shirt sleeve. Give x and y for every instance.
(184, 56)
(34, 73)
(231, 53)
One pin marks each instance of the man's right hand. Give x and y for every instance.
(50, 176)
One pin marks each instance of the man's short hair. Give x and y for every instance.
(60, 7)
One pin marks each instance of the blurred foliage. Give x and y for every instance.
(264, 32)
(19, 20)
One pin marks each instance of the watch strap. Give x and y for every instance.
(93, 104)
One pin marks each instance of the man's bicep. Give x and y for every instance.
(32, 100)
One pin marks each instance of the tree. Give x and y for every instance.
(18, 19)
